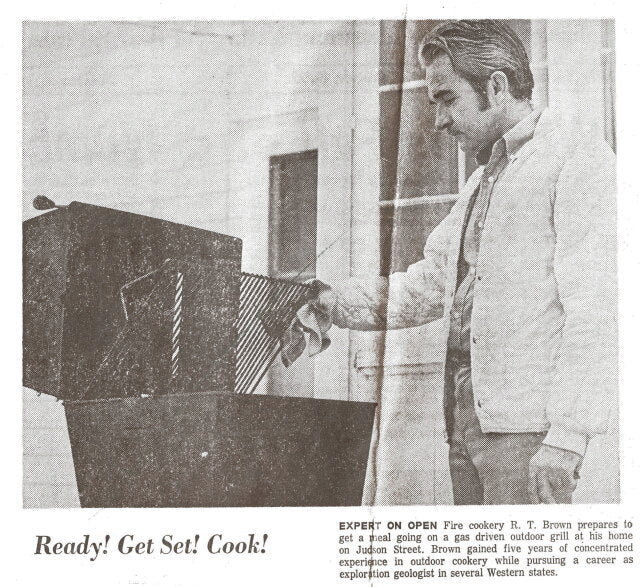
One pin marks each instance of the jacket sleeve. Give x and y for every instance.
(405, 299)
(585, 381)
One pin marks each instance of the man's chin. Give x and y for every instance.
(463, 144)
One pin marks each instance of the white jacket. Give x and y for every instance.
(544, 322)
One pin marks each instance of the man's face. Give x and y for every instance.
(458, 107)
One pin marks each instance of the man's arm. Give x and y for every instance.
(404, 299)
(585, 380)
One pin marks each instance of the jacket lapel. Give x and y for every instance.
(456, 238)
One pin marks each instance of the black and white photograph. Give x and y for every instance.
(357, 270)
(210, 204)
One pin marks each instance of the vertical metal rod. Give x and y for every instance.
(177, 323)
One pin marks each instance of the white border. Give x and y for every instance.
(302, 542)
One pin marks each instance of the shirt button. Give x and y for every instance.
(480, 224)
(474, 340)
(490, 179)
(456, 315)
(479, 404)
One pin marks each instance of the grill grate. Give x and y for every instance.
(267, 308)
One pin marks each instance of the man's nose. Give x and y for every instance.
(443, 118)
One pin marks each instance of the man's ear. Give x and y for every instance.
(497, 88)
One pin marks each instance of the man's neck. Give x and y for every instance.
(517, 112)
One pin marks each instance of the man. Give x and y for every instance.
(523, 271)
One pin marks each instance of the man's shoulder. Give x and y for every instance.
(565, 132)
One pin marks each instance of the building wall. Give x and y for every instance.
(178, 121)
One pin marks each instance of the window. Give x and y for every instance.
(293, 181)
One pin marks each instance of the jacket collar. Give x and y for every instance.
(521, 133)
(548, 123)
(511, 142)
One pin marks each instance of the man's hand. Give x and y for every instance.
(553, 475)
(325, 298)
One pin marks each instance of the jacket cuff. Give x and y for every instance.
(566, 438)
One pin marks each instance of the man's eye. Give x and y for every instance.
(449, 101)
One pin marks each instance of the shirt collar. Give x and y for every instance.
(512, 140)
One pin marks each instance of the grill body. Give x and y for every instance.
(145, 329)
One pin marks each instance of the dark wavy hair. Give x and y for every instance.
(478, 48)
